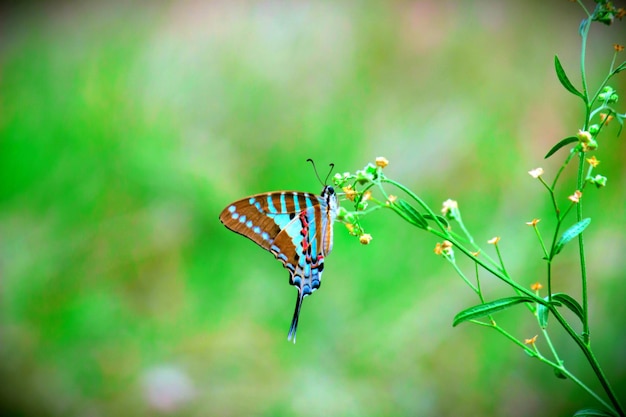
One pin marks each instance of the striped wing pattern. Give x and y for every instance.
(296, 227)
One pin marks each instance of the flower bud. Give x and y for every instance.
(599, 181)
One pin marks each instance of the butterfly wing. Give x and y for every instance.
(297, 228)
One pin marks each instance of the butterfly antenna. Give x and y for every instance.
(318, 175)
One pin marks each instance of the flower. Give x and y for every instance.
(616, 46)
(381, 161)
(443, 248)
(575, 198)
(530, 341)
(350, 192)
(392, 198)
(448, 206)
(533, 222)
(536, 173)
(593, 161)
(494, 240)
(606, 118)
(365, 238)
(536, 286)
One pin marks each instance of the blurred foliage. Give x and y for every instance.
(125, 129)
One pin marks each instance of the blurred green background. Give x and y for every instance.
(126, 128)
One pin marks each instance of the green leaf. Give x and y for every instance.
(622, 67)
(592, 412)
(542, 314)
(571, 233)
(570, 303)
(441, 219)
(560, 72)
(411, 215)
(562, 143)
(491, 307)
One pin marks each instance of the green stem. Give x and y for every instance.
(593, 361)
(581, 249)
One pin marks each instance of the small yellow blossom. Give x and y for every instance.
(443, 248)
(618, 47)
(593, 161)
(381, 161)
(536, 286)
(448, 206)
(575, 198)
(350, 192)
(494, 240)
(606, 118)
(392, 198)
(475, 254)
(365, 238)
(621, 12)
(533, 222)
(366, 195)
(530, 341)
(536, 173)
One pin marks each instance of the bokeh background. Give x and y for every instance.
(127, 127)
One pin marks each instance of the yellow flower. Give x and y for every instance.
(444, 247)
(536, 173)
(593, 161)
(494, 240)
(606, 118)
(530, 341)
(616, 46)
(350, 192)
(536, 286)
(381, 161)
(365, 238)
(533, 222)
(575, 198)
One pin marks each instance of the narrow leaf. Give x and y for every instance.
(542, 315)
(570, 303)
(441, 219)
(412, 215)
(560, 73)
(562, 143)
(622, 67)
(543, 312)
(571, 233)
(592, 412)
(486, 309)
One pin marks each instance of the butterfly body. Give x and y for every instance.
(296, 227)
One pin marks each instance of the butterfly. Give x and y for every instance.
(296, 227)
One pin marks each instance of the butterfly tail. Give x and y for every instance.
(296, 316)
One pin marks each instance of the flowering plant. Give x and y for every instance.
(363, 187)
